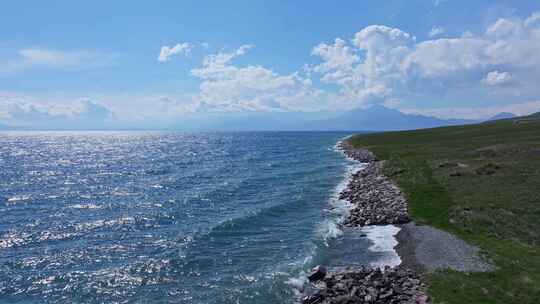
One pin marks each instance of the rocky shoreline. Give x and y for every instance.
(376, 200)
(365, 285)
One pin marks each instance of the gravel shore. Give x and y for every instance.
(427, 249)
(378, 201)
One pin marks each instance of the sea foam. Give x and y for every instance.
(384, 240)
(383, 237)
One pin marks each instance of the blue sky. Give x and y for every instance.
(61, 59)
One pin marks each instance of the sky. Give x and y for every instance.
(137, 63)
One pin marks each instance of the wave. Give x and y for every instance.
(382, 237)
(339, 208)
(384, 240)
(330, 228)
(19, 198)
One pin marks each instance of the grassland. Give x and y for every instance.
(482, 183)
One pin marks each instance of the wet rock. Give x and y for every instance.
(364, 285)
(318, 273)
(376, 199)
(314, 299)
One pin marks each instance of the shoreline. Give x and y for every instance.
(374, 201)
(421, 248)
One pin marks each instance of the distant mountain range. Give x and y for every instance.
(381, 118)
(502, 115)
(535, 115)
(375, 118)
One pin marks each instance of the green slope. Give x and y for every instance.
(482, 183)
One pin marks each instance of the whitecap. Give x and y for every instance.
(298, 284)
(330, 230)
(105, 223)
(13, 239)
(85, 206)
(245, 278)
(339, 208)
(384, 241)
(18, 198)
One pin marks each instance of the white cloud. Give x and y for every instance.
(504, 27)
(90, 110)
(179, 49)
(386, 63)
(444, 56)
(467, 34)
(495, 78)
(368, 71)
(229, 88)
(377, 65)
(436, 31)
(27, 110)
(32, 58)
(381, 38)
(505, 43)
(335, 56)
(31, 112)
(439, 2)
(532, 20)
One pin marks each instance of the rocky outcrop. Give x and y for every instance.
(390, 285)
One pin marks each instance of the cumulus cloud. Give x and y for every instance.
(338, 60)
(89, 110)
(442, 57)
(496, 78)
(368, 71)
(382, 64)
(377, 65)
(179, 49)
(21, 111)
(533, 20)
(436, 31)
(227, 87)
(24, 110)
(439, 2)
(32, 58)
(504, 27)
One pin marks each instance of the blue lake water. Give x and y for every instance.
(148, 217)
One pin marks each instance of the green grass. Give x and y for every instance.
(482, 183)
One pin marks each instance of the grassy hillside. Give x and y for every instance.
(482, 183)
